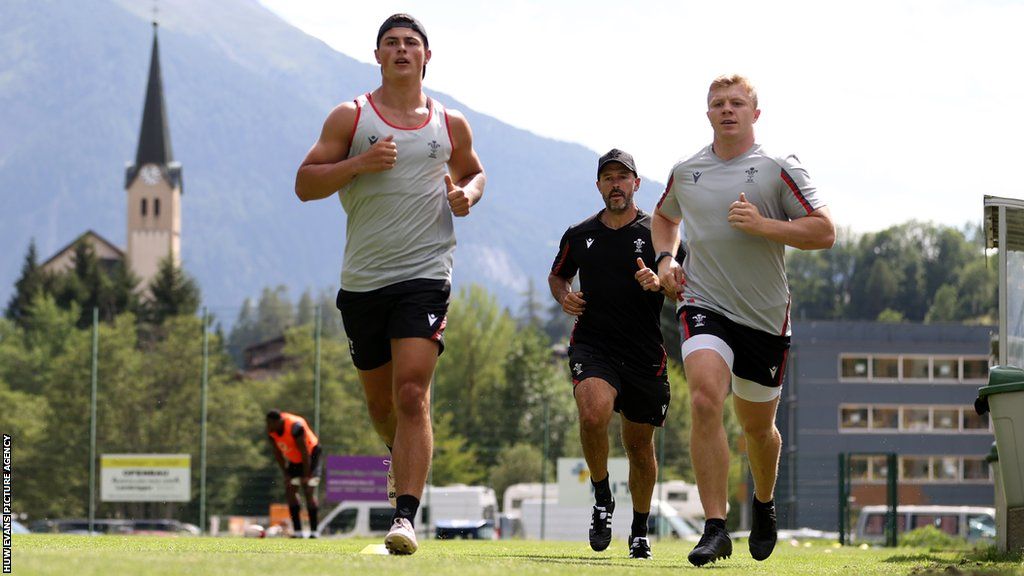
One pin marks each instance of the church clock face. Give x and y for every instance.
(150, 174)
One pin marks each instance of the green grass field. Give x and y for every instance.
(140, 555)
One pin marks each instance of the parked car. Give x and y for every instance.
(972, 523)
(153, 527)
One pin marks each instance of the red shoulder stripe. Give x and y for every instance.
(796, 191)
(668, 187)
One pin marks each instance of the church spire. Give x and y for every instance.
(154, 137)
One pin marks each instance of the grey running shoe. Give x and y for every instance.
(601, 526)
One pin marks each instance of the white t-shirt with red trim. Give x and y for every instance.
(736, 274)
(399, 223)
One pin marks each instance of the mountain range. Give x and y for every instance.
(246, 95)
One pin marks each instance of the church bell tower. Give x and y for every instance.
(154, 186)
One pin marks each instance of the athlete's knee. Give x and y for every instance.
(761, 432)
(594, 416)
(411, 398)
(705, 406)
(639, 451)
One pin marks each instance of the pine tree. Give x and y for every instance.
(173, 293)
(31, 284)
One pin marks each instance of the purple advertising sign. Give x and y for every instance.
(357, 478)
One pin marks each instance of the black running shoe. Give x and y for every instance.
(639, 547)
(601, 526)
(764, 531)
(714, 545)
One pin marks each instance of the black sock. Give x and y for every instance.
(717, 523)
(602, 491)
(406, 507)
(764, 506)
(295, 510)
(639, 528)
(314, 514)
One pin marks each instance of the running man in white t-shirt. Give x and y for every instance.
(402, 166)
(740, 206)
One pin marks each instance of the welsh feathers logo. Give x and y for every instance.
(434, 147)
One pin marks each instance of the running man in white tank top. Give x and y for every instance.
(402, 166)
(741, 207)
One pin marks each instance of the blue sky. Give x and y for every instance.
(899, 109)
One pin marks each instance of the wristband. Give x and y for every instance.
(661, 256)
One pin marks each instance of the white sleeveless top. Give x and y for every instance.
(399, 224)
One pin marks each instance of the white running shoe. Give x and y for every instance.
(402, 538)
(392, 496)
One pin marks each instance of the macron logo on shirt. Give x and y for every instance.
(431, 319)
(696, 175)
(589, 242)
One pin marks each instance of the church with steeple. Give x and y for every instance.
(153, 183)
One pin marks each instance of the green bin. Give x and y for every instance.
(1004, 398)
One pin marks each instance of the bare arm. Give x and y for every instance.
(327, 168)
(466, 174)
(812, 232)
(665, 236)
(277, 453)
(572, 303)
(300, 442)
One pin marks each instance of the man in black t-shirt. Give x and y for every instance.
(616, 357)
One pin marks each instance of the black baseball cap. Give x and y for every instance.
(616, 155)
(403, 21)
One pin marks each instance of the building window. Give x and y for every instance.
(945, 369)
(854, 367)
(859, 468)
(855, 418)
(915, 419)
(143, 206)
(915, 368)
(885, 418)
(885, 367)
(946, 469)
(975, 368)
(946, 419)
(976, 469)
(914, 468)
(975, 421)
(879, 468)
(938, 419)
(156, 207)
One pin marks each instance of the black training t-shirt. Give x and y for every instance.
(620, 317)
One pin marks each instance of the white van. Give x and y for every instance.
(572, 523)
(445, 504)
(678, 494)
(972, 523)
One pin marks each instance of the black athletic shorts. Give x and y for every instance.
(757, 355)
(643, 392)
(410, 309)
(315, 465)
